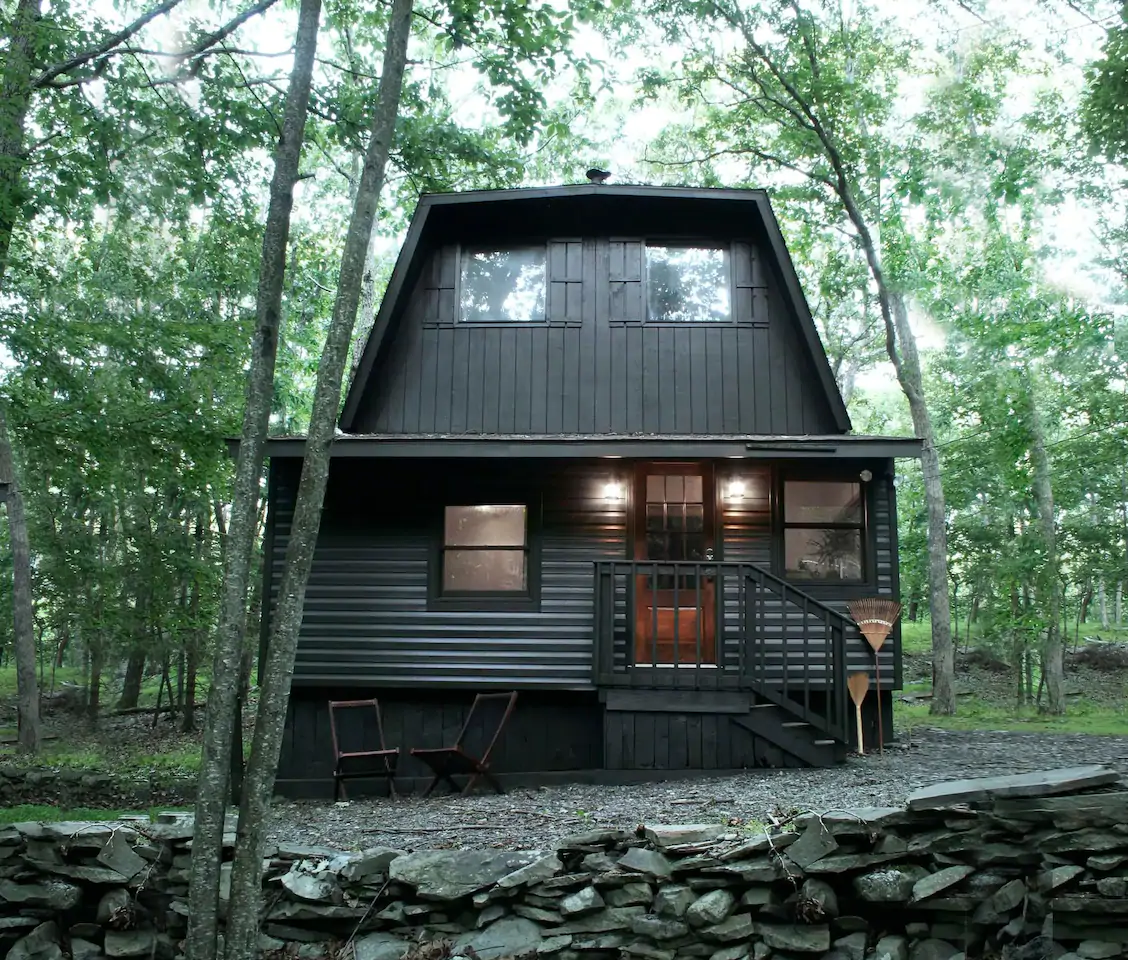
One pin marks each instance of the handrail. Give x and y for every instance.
(716, 657)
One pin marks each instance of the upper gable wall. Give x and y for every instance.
(595, 367)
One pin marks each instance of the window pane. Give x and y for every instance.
(823, 554)
(655, 488)
(806, 501)
(692, 489)
(655, 517)
(503, 285)
(675, 489)
(687, 284)
(482, 570)
(485, 526)
(695, 517)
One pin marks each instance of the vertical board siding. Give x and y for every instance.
(367, 618)
(596, 367)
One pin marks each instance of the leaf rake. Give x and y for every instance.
(875, 617)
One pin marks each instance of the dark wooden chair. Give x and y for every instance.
(490, 712)
(357, 764)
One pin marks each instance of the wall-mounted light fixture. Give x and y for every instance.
(736, 490)
(613, 491)
(865, 476)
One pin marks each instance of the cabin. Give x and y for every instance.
(593, 452)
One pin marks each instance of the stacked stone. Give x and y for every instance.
(1023, 868)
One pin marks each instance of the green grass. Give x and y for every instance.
(177, 762)
(975, 714)
(916, 638)
(35, 812)
(110, 691)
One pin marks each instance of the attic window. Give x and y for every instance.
(503, 286)
(687, 284)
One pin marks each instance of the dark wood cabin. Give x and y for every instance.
(593, 452)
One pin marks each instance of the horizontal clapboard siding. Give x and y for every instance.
(591, 369)
(367, 619)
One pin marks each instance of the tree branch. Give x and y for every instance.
(114, 40)
(113, 45)
(226, 30)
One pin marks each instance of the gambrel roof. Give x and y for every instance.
(569, 211)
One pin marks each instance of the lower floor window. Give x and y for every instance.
(485, 549)
(822, 530)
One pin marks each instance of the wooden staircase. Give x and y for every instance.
(767, 689)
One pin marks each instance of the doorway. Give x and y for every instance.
(675, 604)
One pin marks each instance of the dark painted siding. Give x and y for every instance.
(594, 367)
(367, 618)
(746, 531)
(547, 732)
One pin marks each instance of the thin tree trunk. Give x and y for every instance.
(134, 677)
(274, 689)
(94, 694)
(1119, 608)
(190, 655)
(1102, 604)
(15, 99)
(23, 611)
(1053, 667)
(215, 764)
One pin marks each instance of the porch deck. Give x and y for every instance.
(714, 627)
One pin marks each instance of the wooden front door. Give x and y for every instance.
(675, 607)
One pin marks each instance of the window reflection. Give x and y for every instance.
(503, 286)
(687, 284)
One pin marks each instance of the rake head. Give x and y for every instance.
(875, 617)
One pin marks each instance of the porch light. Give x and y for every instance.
(736, 489)
(613, 491)
(865, 476)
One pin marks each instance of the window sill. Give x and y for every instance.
(486, 603)
(499, 324)
(691, 324)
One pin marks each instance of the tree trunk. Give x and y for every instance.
(1102, 604)
(134, 677)
(197, 632)
(94, 694)
(1053, 666)
(914, 608)
(1119, 607)
(215, 763)
(15, 99)
(1086, 603)
(274, 689)
(23, 611)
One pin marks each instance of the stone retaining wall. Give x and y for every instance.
(1022, 868)
(80, 788)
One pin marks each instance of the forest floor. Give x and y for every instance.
(1095, 727)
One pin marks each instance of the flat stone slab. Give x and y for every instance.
(451, 874)
(1043, 784)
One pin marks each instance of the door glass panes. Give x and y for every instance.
(503, 286)
(687, 284)
(675, 520)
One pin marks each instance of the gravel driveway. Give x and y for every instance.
(533, 818)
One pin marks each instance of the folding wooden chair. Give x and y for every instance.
(350, 764)
(463, 759)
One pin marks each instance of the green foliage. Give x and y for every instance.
(1105, 112)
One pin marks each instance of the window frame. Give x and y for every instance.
(464, 249)
(864, 527)
(527, 600)
(726, 248)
